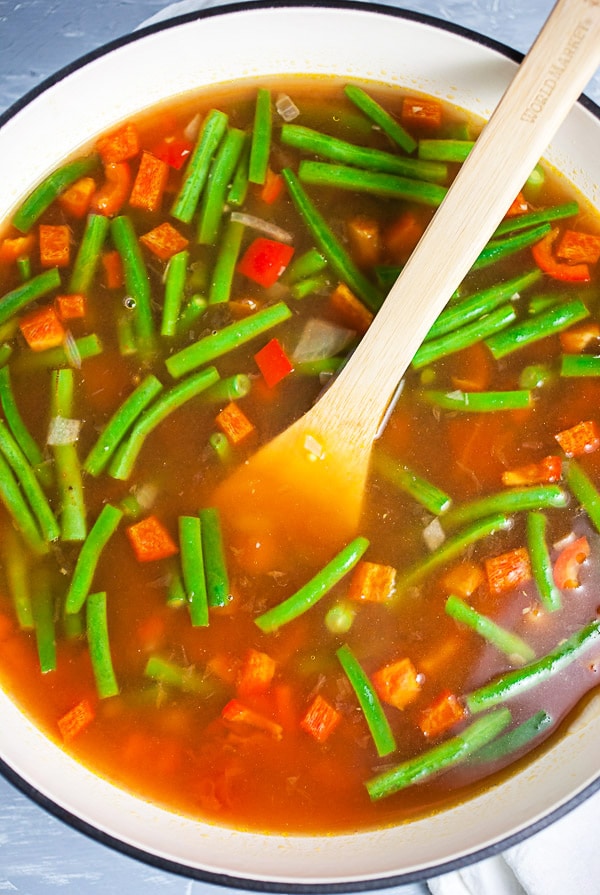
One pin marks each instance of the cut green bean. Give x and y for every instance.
(316, 285)
(440, 757)
(193, 310)
(18, 577)
(356, 180)
(445, 150)
(20, 432)
(174, 290)
(126, 454)
(314, 143)
(510, 500)
(305, 265)
(227, 339)
(192, 567)
(340, 618)
(85, 347)
(585, 491)
(541, 216)
(224, 270)
(29, 483)
(213, 551)
(260, 147)
(184, 678)
(572, 365)
(517, 738)
(24, 267)
(120, 422)
(315, 589)
(427, 494)
(198, 166)
(480, 402)
(43, 621)
(88, 256)
(536, 376)
(99, 646)
(221, 446)
(499, 249)
(232, 388)
(89, 556)
(458, 339)
(513, 683)
(23, 519)
(539, 303)
(541, 564)
(137, 281)
(517, 650)
(73, 516)
(48, 190)
(532, 330)
(326, 242)
(213, 201)
(239, 183)
(378, 115)
(17, 299)
(176, 595)
(368, 700)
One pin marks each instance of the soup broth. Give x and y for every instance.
(170, 304)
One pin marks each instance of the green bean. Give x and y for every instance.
(314, 143)
(174, 289)
(310, 286)
(88, 255)
(176, 595)
(440, 757)
(535, 376)
(455, 546)
(198, 166)
(119, 423)
(357, 180)
(89, 555)
(17, 577)
(232, 388)
(463, 337)
(194, 309)
(221, 172)
(86, 347)
(23, 519)
(515, 739)
(536, 179)
(513, 683)
(221, 446)
(49, 189)
(126, 454)
(239, 184)
(585, 491)
(192, 566)
(186, 679)
(99, 646)
(444, 150)
(517, 650)
(126, 335)
(498, 249)
(368, 700)
(326, 242)
(73, 626)
(305, 265)
(43, 620)
(213, 551)
(480, 402)
(316, 588)
(20, 432)
(73, 523)
(227, 339)
(380, 117)
(30, 484)
(579, 365)
(227, 256)
(24, 267)
(316, 367)
(541, 216)
(261, 137)
(17, 299)
(396, 473)
(539, 303)
(541, 564)
(340, 617)
(510, 500)
(528, 331)
(137, 281)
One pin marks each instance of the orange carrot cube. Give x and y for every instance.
(577, 338)
(372, 582)
(545, 471)
(398, 683)
(576, 247)
(321, 719)
(112, 263)
(421, 112)
(350, 309)
(508, 570)
(583, 438)
(76, 720)
(234, 423)
(235, 712)
(150, 182)
(42, 329)
(75, 200)
(164, 241)
(272, 188)
(402, 235)
(444, 712)
(364, 237)
(120, 145)
(518, 206)
(150, 540)
(463, 579)
(70, 307)
(55, 245)
(13, 248)
(256, 673)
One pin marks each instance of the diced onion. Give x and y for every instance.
(192, 129)
(286, 107)
(72, 351)
(320, 340)
(266, 227)
(314, 448)
(63, 430)
(433, 535)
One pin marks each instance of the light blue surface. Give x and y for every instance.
(39, 854)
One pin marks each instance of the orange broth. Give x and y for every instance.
(228, 746)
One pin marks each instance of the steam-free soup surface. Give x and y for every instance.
(183, 652)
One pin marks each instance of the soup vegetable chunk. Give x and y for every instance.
(173, 299)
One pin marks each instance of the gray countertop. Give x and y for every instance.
(39, 854)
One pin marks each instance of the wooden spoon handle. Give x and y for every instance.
(558, 66)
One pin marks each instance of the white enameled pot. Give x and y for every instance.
(223, 45)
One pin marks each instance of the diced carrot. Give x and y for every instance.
(55, 245)
(272, 188)
(321, 719)
(364, 237)
(518, 206)
(14, 247)
(285, 706)
(70, 307)
(76, 199)
(567, 565)
(42, 329)
(350, 309)
(112, 195)
(578, 248)
(577, 338)
(237, 713)
(372, 582)
(112, 263)
(234, 423)
(545, 471)
(398, 683)
(173, 150)
(463, 579)
(421, 112)
(508, 570)
(151, 632)
(256, 673)
(265, 260)
(444, 712)
(273, 362)
(402, 235)
(151, 540)
(546, 260)
(150, 182)
(583, 438)
(472, 368)
(119, 145)
(76, 720)
(164, 241)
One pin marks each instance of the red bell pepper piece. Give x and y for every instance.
(321, 719)
(265, 260)
(551, 265)
(173, 150)
(444, 712)
(566, 567)
(273, 362)
(545, 471)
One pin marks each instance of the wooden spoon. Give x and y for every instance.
(311, 478)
